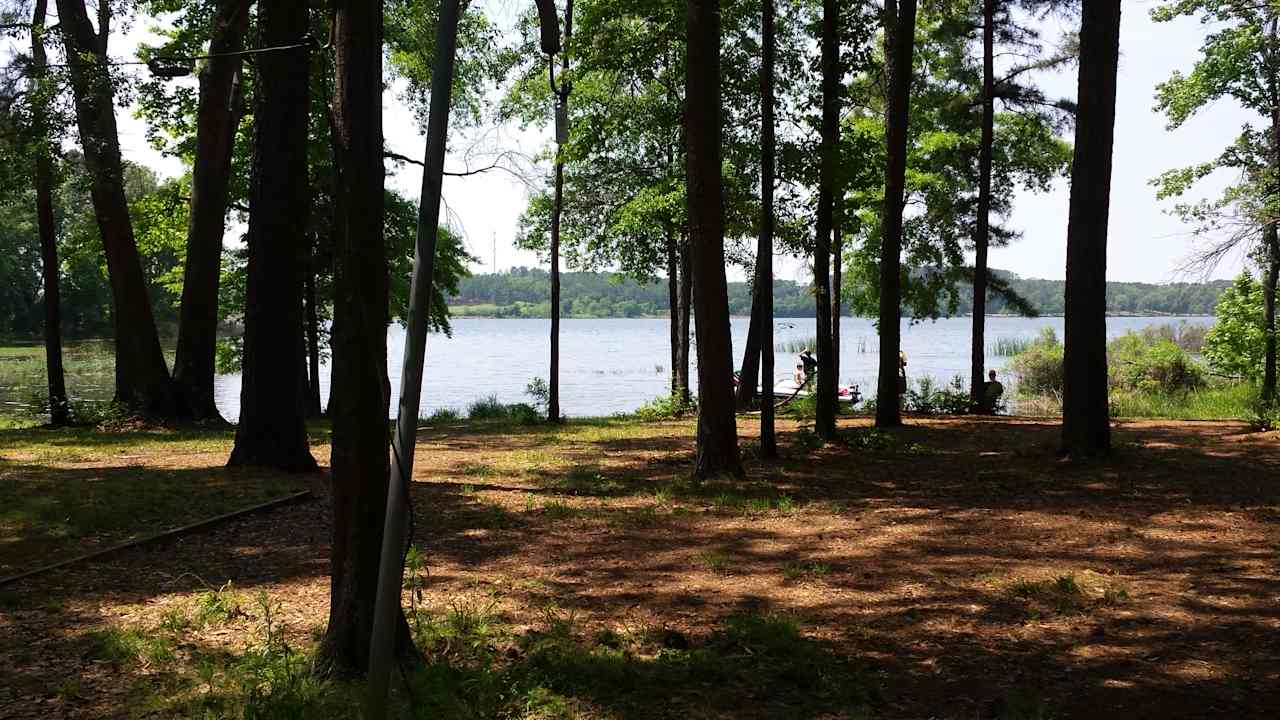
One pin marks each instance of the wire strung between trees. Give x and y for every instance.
(174, 66)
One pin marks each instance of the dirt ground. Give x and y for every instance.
(956, 562)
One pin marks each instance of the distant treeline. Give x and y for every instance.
(524, 293)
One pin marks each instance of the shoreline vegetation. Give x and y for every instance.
(522, 293)
(485, 311)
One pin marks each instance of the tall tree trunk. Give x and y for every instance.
(1271, 252)
(1270, 278)
(359, 390)
(59, 408)
(272, 430)
(764, 251)
(553, 397)
(313, 408)
(217, 120)
(900, 24)
(717, 426)
(673, 307)
(837, 299)
(982, 233)
(686, 310)
(749, 377)
(1086, 426)
(825, 421)
(562, 94)
(142, 377)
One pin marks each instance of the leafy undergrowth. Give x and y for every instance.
(477, 665)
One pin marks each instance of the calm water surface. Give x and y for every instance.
(611, 366)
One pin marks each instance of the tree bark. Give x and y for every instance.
(717, 451)
(553, 398)
(217, 121)
(59, 408)
(764, 251)
(673, 307)
(837, 299)
(686, 311)
(749, 376)
(272, 430)
(900, 22)
(142, 377)
(982, 233)
(359, 389)
(562, 94)
(1086, 426)
(825, 421)
(1269, 314)
(1271, 252)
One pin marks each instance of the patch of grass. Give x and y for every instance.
(219, 606)
(470, 469)
(478, 666)
(560, 510)
(1222, 402)
(753, 505)
(812, 569)
(50, 510)
(122, 646)
(581, 480)
(1067, 593)
(716, 562)
(495, 517)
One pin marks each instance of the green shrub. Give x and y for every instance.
(1265, 416)
(490, 408)
(1136, 361)
(1190, 337)
(1039, 367)
(663, 407)
(932, 399)
(540, 392)
(1234, 346)
(442, 416)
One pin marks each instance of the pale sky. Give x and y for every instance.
(1145, 244)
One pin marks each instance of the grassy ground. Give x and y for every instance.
(68, 492)
(1217, 402)
(954, 568)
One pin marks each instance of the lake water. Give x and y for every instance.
(612, 366)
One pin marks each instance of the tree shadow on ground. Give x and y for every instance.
(958, 565)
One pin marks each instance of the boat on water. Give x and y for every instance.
(786, 389)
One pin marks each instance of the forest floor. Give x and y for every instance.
(952, 569)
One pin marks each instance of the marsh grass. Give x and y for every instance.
(796, 346)
(1222, 402)
(1005, 346)
(88, 367)
(1237, 401)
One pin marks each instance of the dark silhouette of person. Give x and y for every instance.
(809, 361)
(992, 391)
